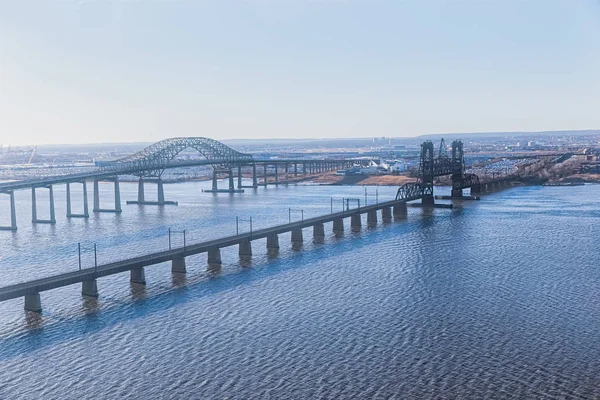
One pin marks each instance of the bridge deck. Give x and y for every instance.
(69, 278)
(107, 173)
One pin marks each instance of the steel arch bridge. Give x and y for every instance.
(154, 159)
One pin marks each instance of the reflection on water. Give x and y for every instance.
(498, 299)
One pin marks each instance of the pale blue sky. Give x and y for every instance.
(104, 71)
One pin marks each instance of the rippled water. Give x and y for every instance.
(497, 299)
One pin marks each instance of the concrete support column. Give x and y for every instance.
(457, 193)
(13, 212)
(86, 212)
(33, 206)
(318, 232)
(265, 174)
(33, 302)
(287, 171)
(254, 177)
(303, 168)
(372, 218)
(245, 249)
(161, 192)
(214, 180)
(141, 196)
(297, 238)
(338, 225)
(386, 214)
(117, 195)
(138, 275)
(231, 184)
(355, 222)
(34, 217)
(276, 174)
(52, 213)
(68, 200)
(96, 196)
(273, 242)
(239, 176)
(89, 288)
(214, 256)
(178, 265)
(400, 210)
(295, 169)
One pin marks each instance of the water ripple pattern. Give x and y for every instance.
(498, 299)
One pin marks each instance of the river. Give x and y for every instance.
(498, 298)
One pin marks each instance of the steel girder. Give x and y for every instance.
(414, 191)
(466, 181)
(153, 160)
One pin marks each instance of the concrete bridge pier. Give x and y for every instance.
(386, 214)
(456, 193)
(273, 242)
(89, 288)
(141, 195)
(138, 275)
(297, 238)
(33, 302)
(276, 175)
(318, 232)
(160, 195)
(245, 250)
(13, 214)
(86, 212)
(265, 174)
(372, 218)
(117, 208)
(214, 181)
(178, 265)
(239, 176)
(231, 184)
(34, 217)
(295, 169)
(338, 226)
(254, 177)
(355, 222)
(214, 256)
(400, 211)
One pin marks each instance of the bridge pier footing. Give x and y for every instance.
(245, 250)
(400, 211)
(214, 256)
(33, 302)
(355, 222)
(137, 275)
(89, 288)
(34, 217)
(318, 233)
(117, 208)
(372, 218)
(338, 226)
(273, 242)
(297, 238)
(13, 214)
(178, 265)
(160, 195)
(386, 214)
(86, 213)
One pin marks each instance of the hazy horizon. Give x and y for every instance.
(98, 72)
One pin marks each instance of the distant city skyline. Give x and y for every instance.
(115, 71)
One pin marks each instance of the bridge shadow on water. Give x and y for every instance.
(41, 335)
